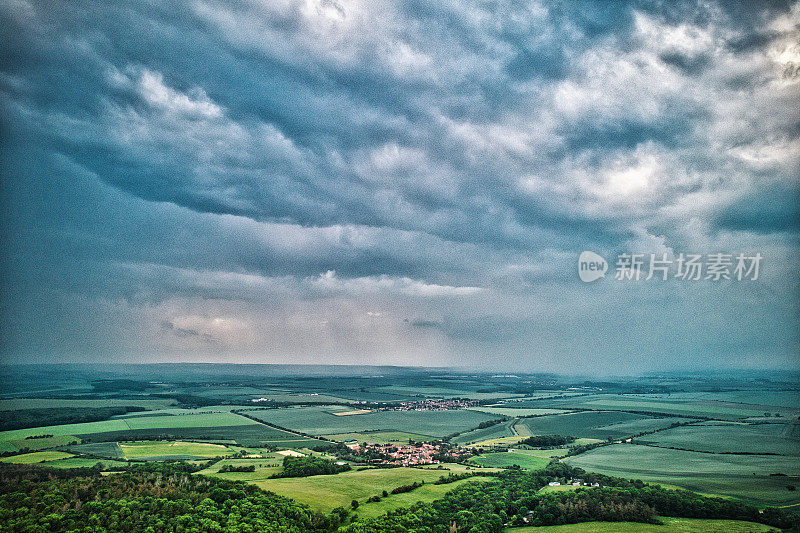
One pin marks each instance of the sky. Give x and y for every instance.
(398, 182)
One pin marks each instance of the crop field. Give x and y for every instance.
(321, 421)
(110, 450)
(85, 462)
(670, 525)
(48, 403)
(442, 392)
(742, 476)
(326, 492)
(177, 424)
(170, 449)
(513, 412)
(721, 438)
(35, 457)
(505, 459)
(592, 424)
(633, 427)
(712, 408)
(503, 429)
(378, 437)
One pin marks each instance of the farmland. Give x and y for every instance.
(322, 421)
(749, 477)
(721, 443)
(506, 459)
(326, 492)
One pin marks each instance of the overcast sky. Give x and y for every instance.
(400, 182)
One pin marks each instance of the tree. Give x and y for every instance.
(354, 504)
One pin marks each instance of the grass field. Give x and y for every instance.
(321, 420)
(35, 457)
(504, 459)
(326, 492)
(165, 449)
(742, 476)
(425, 493)
(670, 525)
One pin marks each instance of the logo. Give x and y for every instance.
(591, 266)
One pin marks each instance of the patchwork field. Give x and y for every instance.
(177, 424)
(322, 420)
(684, 405)
(744, 476)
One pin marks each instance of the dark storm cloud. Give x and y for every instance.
(259, 173)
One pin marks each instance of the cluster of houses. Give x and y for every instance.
(574, 483)
(432, 405)
(408, 454)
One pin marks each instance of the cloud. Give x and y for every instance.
(297, 165)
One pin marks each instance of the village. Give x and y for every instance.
(408, 454)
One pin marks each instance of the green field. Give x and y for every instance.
(378, 437)
(505, 459)
(425, 493)
(730, 437)
(35, 457)
(742, 476)
(709, 405)
(321, 421)
(592, 424)
(326, 492)
(497, 431)
(40, 444)
(85, 462)
(670, 525)
(171, 449)
(47, 403)
(512, 412)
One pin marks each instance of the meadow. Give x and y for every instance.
(326, 492)
(506, 459)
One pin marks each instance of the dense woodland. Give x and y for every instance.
(309, 466)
